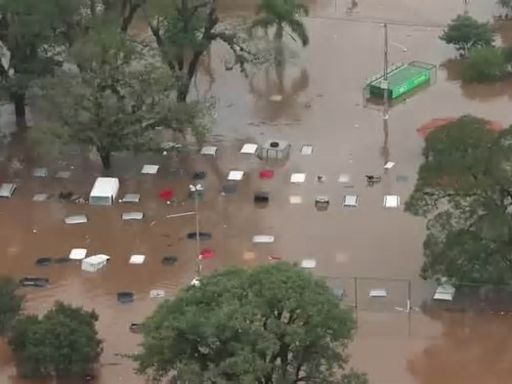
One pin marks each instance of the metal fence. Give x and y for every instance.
(406, 295)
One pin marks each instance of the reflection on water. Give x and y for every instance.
(471, 349)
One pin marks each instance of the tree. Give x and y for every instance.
(281, 14)
(485, 64)
(464, 188)
(184, 30)
(10, 304)
(25, 30)
(272, 324)
(113, 103)
(507, 4)
(63, 342)
(465, 33)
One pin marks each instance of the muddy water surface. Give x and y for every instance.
(322, 106)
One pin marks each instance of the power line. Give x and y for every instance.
(367, 20)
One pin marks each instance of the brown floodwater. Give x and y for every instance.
(321, 105)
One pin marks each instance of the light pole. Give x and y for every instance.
(196, 189)
(385, 80)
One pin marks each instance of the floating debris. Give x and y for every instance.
(266, 174)
(38, 282)
(63, 175)
(389, 165)
(44, 261)
(263, 239)
(295, 199)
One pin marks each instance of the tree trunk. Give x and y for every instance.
(105, 157)
(18, 98)
(182, 91)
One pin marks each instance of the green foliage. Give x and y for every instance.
(507, 4)
(184, 30)
(465, 33)
(279, 14)
(10, 304)
(271, 324)
(63, 342)
(485, 64)
(464, 187)
(113, 103)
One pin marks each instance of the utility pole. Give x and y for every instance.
(385, 84)
(196, 189)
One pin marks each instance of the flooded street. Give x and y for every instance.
(322, 105)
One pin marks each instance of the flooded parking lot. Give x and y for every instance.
(322, 106)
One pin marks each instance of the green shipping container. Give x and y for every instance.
(401, 81)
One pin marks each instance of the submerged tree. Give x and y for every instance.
(63, 343)
(282, 15)
(273, 324)
(184, 30)
(465, 33)
(113, 103)
(464, 187)
(25, 30)
(10, 304)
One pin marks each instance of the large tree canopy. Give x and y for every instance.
(465, 33)
(464, 187)
(63, 342)
(114, 102)
(273, 324)
(184, 30)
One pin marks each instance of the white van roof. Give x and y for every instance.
(105, 187)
